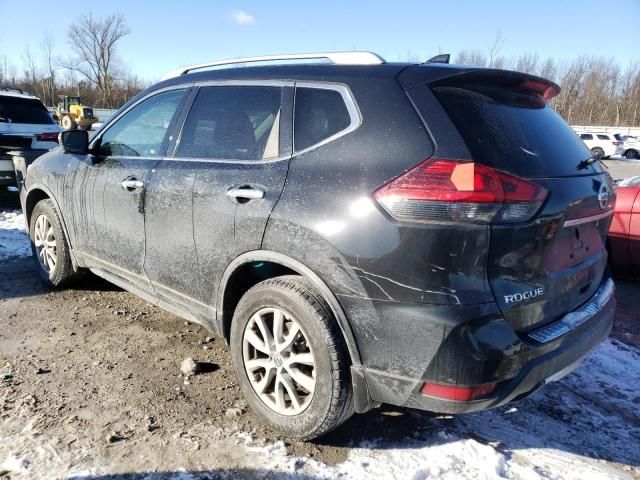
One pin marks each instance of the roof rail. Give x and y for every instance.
(339, 58)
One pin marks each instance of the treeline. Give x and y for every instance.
(94, 70)
(594, 90)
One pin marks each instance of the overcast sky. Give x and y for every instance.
(168, 34)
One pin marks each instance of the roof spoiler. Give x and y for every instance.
(521, 82)
(459, 75)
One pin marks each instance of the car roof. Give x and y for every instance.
(17, 94)
(306, 71)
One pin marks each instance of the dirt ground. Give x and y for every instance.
(90, 382)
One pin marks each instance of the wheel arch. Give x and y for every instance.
(226, 298)
(37, 193)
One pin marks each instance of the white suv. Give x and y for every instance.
(631, 147)
(602, 144)
(26, 126)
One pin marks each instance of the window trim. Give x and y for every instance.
(112, 121)
(283, 84)
(355, 115)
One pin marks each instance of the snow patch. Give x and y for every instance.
(13, 237)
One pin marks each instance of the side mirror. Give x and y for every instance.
(74, 141)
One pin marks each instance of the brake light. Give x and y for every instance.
(47, 137)
(451, 190)
(545, 89)
(460, 394)
(617, 143)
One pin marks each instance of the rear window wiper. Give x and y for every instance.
(589, 161)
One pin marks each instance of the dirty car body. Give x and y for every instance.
(381, 192)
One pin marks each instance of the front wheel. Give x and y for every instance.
(290, 358)
(49, 245)
(68, 123)
(598, 153)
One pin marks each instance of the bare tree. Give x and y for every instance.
(94, 42)
(494, 51)
(474, 58)
(49, 82)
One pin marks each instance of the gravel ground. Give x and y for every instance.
(91, 388)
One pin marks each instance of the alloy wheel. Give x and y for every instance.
(279, 361)
(45, 243)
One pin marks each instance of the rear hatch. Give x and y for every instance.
(549, 265)
(26, 123)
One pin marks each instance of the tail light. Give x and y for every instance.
(453, 191)
(617, 143)
(460, 394)
(47, 137)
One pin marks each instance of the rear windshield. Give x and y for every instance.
(514, 132)
(24, 110)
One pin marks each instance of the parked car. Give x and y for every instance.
(423, 235)
(602, 145)
(624, 233)
(25, 126)
(631, 147)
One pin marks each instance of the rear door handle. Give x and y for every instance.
(131, 184)
(246, 193)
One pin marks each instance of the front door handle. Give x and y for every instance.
(245, 193)
(131, 184)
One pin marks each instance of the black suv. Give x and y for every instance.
(424, 235)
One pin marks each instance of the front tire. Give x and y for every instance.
(598, 153)
(49, 245)
(290, 358)
(68, 123)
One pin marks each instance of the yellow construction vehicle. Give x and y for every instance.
(72, 114)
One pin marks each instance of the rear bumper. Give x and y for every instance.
(14, 163)
(525, 365)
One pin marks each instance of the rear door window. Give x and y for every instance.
(604, 137)
(235, 122)
(24, 110)
(514, 131)
(319, 115)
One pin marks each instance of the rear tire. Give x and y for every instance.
(305, 399)
(49, 245)
(631, 154)
(598, 153)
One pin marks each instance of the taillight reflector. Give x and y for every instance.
(47, 137)
(477, 192)
(460, 394)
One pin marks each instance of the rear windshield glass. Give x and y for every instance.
(514, 132)
(23, 110)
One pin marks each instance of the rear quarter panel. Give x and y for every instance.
(327, 219)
